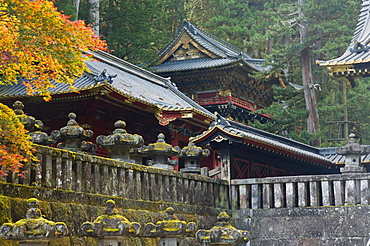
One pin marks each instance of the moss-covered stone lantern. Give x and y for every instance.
(137, 154)
(192, 155)
(171, 230)
(352, 152)
(222, 233)
(72, 135)
(35, 230)
(160, 153)
(110, 228)
(120, 142)
(33, 126)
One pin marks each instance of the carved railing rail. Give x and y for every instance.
(301, 191)
(67, 170)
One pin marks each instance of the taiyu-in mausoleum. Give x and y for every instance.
(279, 192)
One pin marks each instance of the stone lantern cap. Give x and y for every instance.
(71, 135)
(120, 142)
(222, 233)
(110, 224)
(170, 227)
(160, 151)
(34, 227)
(33, 126)
(353, 148)
(192, 151)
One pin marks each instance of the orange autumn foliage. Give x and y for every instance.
(40, 44)
(15, 146)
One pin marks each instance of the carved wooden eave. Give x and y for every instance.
(185, 41)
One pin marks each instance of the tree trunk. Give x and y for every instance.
(76, 4)
(309, 89)
(94, 14)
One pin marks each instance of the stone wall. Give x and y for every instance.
(321, 226)
(74, 208)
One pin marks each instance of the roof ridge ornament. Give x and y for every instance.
(358, 47)
(104, 77)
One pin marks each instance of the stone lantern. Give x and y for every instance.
(35, 230)
(352, 152)
(137, 155)
(33, 126)
(120, 142)
(160, 152)
(192, 155)
(171, 230)
(72, 135)
(110, 228)
(222, 233)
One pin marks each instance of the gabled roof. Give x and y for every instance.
(213, 52)
(126, 79)
(261, 139)
(356, 59)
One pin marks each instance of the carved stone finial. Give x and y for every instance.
(352, 152)
(33, 126)
(192, 155)
(72, 135)
(222, 233)
(160, 153)
(170, 227)
(120, 142)
(34, 228)
(110, 224)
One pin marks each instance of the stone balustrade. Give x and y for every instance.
(62, 169)
(301, 191)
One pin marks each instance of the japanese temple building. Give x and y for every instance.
(355, 62)
(215, 74)
(114, 90)
(117, 90)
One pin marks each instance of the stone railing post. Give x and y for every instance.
(160, 153)
(35, 230)
(171, 230)
(120, 142)
(110, 228)
(222, 233)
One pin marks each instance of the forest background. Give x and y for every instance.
(136, 30)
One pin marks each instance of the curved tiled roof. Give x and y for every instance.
(257, 136)
(201, 63)
(362, 36)
(130, 81)
(225, 52)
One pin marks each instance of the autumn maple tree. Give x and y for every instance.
(15, 147)
(39, 47)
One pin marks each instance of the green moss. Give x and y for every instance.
(64, 241)
(5, 215)
(4, 242)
